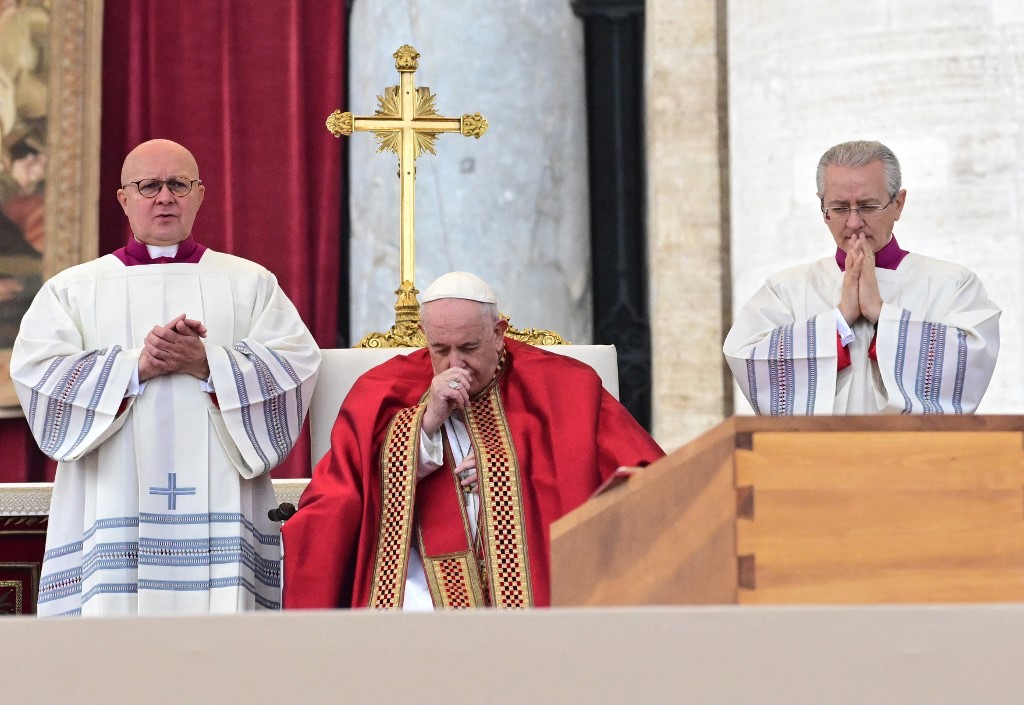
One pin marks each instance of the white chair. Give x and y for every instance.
(342, 366)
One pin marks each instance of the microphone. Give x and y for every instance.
(281, 513)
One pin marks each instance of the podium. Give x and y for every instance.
(841, 510)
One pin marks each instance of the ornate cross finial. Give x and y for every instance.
(406, 123)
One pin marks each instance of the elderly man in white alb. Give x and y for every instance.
(874, 328)
(167, 379)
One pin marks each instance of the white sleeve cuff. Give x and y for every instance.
(846, 335)
(135, 387)
(431, 454)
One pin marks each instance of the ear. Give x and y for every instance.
(122, 198)
(901, 200)
(500, 326)
(202, 192)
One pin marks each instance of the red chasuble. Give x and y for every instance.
(546, 435)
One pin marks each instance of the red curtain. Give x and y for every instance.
(246, 85)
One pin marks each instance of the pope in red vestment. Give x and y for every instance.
(525, 436)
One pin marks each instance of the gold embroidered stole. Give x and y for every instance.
(497, 571)
(398, 485)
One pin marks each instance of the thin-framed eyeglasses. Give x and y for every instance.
(149, 188)
(842, 213)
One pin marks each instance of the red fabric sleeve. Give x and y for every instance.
(842, 354)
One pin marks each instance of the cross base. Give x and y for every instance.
(406, 332)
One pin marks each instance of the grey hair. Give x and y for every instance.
(488, 311)
(861, 153)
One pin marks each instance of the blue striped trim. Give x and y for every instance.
(928, 385)
(215, 551)
(781, 373)
(120, 555)
(812, 364)
(61, 576)
(773, 372)
(267, 604)
(204, 585)
(752, 381)
(961, 371)
(275, 412)
(111, 523)
(790, 372)
(287, 367)
(101, 385)
(57, 419)
(65, 550)
(34, 403)
(900, 360)
(98, 564)
(243, 399)
(57, 586)
(110, 589)
(214, 518)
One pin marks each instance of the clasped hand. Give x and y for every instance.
(449, 389)
(175, 348)
(860, 286)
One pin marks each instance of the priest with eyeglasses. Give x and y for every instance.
(874, 328)
(167, 379)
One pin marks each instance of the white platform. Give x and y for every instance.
(732, 655)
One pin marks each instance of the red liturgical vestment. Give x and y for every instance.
(546, 434)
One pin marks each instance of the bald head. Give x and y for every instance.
(164, 219)
(141, 156)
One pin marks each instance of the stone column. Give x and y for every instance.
(687, 216)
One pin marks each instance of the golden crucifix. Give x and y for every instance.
(406, 123)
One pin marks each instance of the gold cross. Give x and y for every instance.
(406, 123)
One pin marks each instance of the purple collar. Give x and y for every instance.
(135, 253)
(889, 257)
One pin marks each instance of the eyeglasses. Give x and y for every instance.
(149, 188)
(842, 213)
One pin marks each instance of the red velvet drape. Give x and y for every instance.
(246, 85)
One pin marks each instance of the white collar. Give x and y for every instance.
(162, 250)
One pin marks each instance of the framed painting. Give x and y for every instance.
(50, 80)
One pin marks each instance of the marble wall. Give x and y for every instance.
(511, 207)
(685, 215)
(938, 81)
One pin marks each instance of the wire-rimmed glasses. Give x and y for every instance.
(149, 188)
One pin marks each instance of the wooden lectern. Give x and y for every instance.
(866, 509)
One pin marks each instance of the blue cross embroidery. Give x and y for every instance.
(172, 490)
